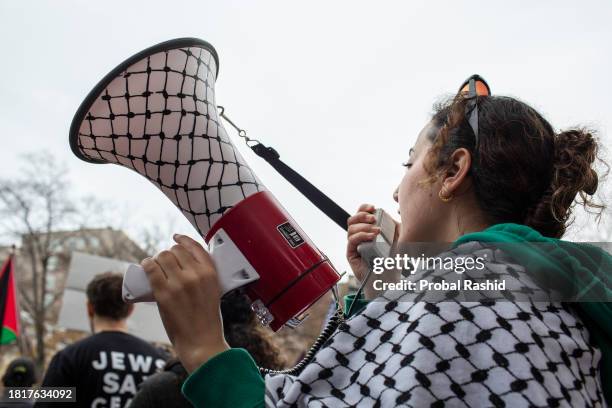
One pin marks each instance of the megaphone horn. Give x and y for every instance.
(156, 114)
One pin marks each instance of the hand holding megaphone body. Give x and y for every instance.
(233, 270)
(156, 114)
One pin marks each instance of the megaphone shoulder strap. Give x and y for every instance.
(312, 193)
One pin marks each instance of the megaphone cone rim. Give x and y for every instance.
(91, 97)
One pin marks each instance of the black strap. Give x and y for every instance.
(316, 196)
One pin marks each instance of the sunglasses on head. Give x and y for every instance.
(472, 87)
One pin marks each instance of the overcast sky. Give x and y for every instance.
(339, 88)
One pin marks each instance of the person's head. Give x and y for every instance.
(241, 329)
(521, 171)
(104, 301)
(19, 373)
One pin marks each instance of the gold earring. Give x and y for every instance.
(444, 199)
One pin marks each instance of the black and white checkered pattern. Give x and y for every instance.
(490, 353)
(157, 115)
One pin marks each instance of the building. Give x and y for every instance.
(106, 242)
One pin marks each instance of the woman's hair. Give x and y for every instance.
(522, 171)
(241, 329)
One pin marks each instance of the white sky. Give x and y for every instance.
(339, 88)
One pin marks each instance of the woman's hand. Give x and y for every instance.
(186, 288)
(361, 228)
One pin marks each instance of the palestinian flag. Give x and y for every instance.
(9, 326)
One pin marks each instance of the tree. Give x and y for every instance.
(153, 238)
(39, 208)
(32, 206)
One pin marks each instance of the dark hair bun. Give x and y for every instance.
(575, 153)
(573, 175)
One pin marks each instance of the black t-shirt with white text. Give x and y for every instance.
(105, 368)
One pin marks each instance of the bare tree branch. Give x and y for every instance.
(37, 208)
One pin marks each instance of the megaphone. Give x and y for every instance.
(156, 114)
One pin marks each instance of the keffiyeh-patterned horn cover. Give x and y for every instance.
(156, 114)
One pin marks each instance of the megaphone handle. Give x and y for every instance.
(233, 270)
(136, 286)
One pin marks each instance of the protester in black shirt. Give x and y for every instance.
(107, 367)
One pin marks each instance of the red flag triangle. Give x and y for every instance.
(9, 319)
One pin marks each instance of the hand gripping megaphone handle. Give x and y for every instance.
(233, 269)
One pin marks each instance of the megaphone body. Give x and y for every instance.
(156, 114)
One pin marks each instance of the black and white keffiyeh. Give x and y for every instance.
(487, 353)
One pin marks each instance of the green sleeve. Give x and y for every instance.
(360, 304)
(230, 379)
